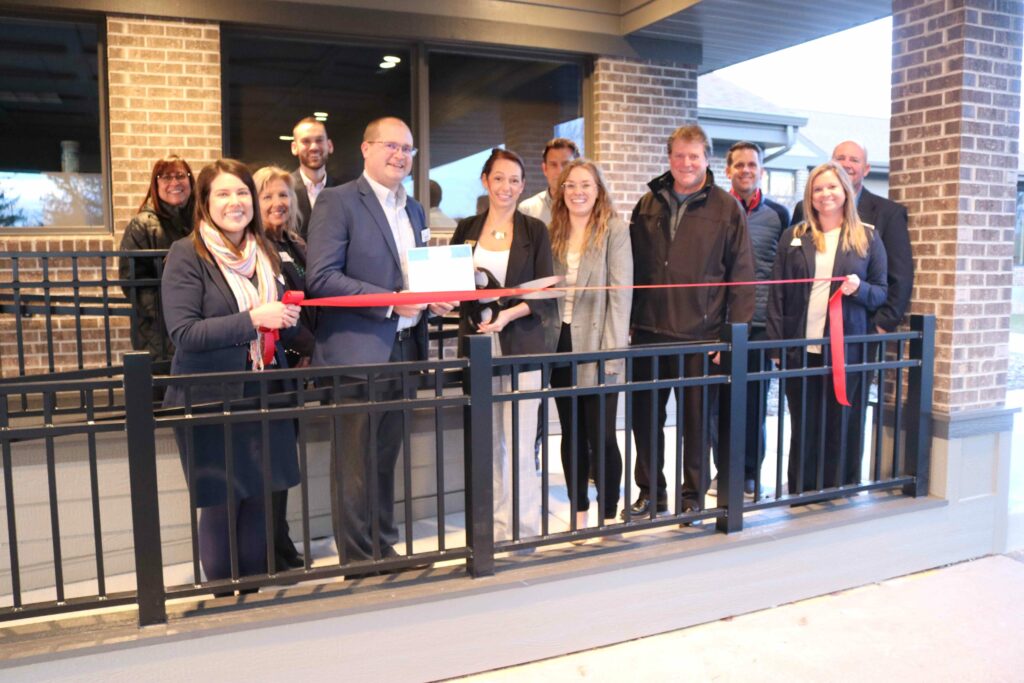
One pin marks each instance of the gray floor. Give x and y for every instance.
(960, 623)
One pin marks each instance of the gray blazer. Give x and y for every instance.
(600, 319)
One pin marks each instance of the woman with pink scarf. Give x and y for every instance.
(219, 289)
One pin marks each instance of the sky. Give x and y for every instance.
(804, 77)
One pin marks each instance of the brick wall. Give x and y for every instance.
(637, 105)
(955, 123)
(165, 97)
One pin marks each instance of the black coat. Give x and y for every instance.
(292, 250)
(529, 258)
(305, 210)
(711, 245)
(211, 335)
(148, 231)
(889, 220)
(787, 304)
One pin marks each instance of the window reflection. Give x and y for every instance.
(50, 160)
(478, 103)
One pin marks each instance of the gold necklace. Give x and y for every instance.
(498, 234)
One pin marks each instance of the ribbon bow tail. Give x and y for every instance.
(838, 347)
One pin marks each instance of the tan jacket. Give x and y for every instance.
(600, 319)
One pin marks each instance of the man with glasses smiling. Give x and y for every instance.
(359, 236)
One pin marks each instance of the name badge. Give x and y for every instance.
(796, 242)
(425, 235)
(285, 257)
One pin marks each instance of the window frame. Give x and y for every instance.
(103, 114)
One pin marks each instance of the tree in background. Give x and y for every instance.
(10, 214)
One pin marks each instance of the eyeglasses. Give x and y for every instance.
(394, 147)
(572, 187)
(171, 177)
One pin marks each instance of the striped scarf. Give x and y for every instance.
(238, 270)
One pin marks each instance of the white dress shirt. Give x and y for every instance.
(393, 203)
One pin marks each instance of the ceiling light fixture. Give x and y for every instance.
(393, 59)
(388, 65)
(286, 138)
(318, 114)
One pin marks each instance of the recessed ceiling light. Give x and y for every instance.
(286, 138)
(318, 114)
(393, 59)
(388, 65)
(320, 118)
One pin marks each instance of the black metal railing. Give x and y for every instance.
(82, 310)
(445, 397)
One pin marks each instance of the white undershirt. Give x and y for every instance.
(572, 269)
(817, 307)
(393, 203)
(494, 261)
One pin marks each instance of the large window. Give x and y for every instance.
(478, 103)
(270, 83)
(50, 151)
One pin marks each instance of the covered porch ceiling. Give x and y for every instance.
(733, 31)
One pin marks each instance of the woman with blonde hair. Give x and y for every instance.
(279, 212)
(831, 242)
(591, 248)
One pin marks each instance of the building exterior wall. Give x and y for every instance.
(637, 105)
(953, 164)
(164, 97)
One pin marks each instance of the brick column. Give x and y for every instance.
(637, 105)
(165, 97)
(955, 122)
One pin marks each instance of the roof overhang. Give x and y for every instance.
(708, 33)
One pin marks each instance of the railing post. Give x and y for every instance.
(141, 427)
(478, 434)
(920, 381)
(733, 439)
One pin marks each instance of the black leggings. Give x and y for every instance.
(251, 537)
(589, 434)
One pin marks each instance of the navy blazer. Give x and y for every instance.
(209, 333)
(787, 304)
(352, 251)
(305, 210)
(889, 220)
(529, 258)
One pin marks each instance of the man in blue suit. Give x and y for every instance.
(359, 236)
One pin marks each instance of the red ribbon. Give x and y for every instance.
(835, 326)
(270, 337)
(835, 308)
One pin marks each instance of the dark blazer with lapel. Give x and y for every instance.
(352, 251)
(787, 304)
(305, 210)
(889, 220)
(529, 258)
(209, 333)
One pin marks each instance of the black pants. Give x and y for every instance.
(284, 548)
(757, 409)
(649, 423)
(590, 434)
(363, 470)
(822, 443)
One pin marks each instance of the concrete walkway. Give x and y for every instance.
(960, 623)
